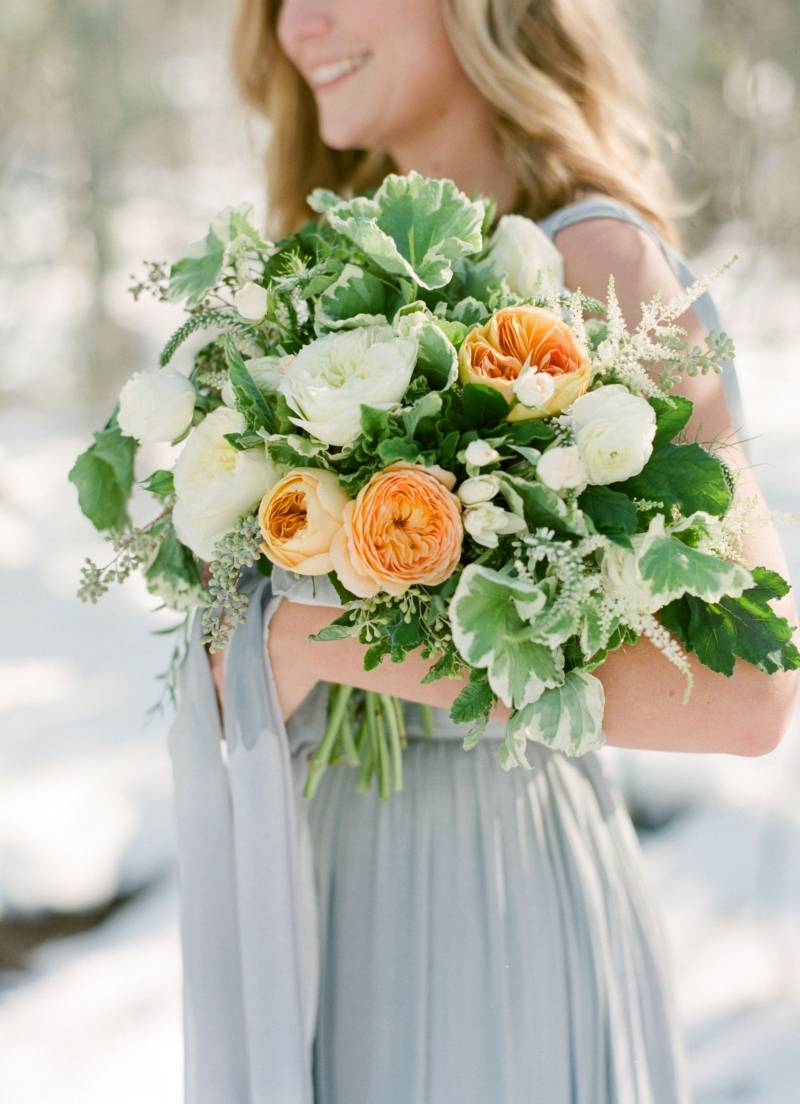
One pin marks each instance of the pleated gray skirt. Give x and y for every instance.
(488, 937)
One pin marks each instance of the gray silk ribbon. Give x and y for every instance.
(247, 923)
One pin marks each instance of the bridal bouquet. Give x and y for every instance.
(479, 461)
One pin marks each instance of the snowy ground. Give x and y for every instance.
(86, 814)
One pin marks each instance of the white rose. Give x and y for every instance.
(156, 406)
(614, 432)
(486, 522)
(251, 302)
(478, 453)
(527, 258)
(533, 388)
(215, 484)
(480, 488)
(561, 469)
(331, 377)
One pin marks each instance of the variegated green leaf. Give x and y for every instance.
(566, 718)
(671, 568)
(488, 616)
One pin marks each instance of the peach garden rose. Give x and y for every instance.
(518, 341)
(299, 518)
(403, 528)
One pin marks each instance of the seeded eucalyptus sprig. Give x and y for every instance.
(227, 606)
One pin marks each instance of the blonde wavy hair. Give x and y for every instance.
(573, 108)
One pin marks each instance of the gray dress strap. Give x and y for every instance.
(705, 308)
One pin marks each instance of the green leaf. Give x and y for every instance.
(612, 512)
(486, 616)
(470, 311)
(355, 298)
(193, 276)
(174, 561)
(684, 475)
(398, 448)
(336, 630)
(672, 414)
(427, 406)
(566, 718)
(474, 702)
(252, 403)
(413, 226)
(528, 431)
(671, 569)
(159, 482)
(103, 475)
(540, 506)
(745, 627)
(483, 405)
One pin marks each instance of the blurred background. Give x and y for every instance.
(121, 137)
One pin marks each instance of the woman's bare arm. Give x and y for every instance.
(746, 714)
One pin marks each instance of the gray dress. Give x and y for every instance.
(482, 937)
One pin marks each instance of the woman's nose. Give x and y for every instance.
(303, 20)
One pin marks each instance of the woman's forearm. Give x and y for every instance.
(743, 715)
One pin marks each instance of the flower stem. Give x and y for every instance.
(391, 714)
(340, 695)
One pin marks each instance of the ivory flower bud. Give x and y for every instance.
(216, 484)
(251, 302)
(614, 433)
(299, 517)
(156, 406)
(486, 522)
(561, 468)
(480, 488)
(479, 453)
(525, 255)
(534, 388)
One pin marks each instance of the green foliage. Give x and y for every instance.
(566, 718)
(670, 569)
(203, 320)
(193, 277)
(672, 415)
(745, 627)
(483, 405)
(687, 476)
(540, 506)
(159, 482)
(103, 475)
(354, 298)
(412, 227)
(488, 618)
(474, 702)
(252, 403)
(612, 513)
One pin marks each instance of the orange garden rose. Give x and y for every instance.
(403, 527)
(517, 338)
(299, 518)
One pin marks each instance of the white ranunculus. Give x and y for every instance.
(480, 488)
(614, 432)
(524, 254)
(486, 522)
(156, 406)
(331, 377)
(561, 469)
(479, 453)
(533, 388)
(215, 484)
(251, 302)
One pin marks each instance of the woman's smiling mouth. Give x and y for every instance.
(330, 73)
